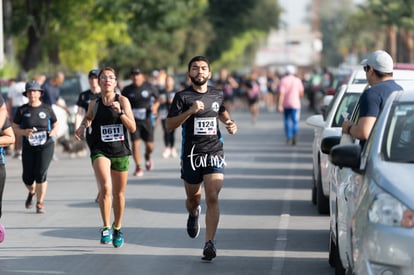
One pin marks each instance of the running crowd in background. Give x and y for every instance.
(40, 119)
(254, 92)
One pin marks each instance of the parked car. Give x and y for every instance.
(340, 203)
(342, 104)
(380, 190)
(69, 93)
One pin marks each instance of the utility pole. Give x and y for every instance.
(315, 27)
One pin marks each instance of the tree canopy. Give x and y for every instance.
(78, 35)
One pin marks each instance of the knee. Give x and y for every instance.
(105, 190)
(212, 200)
(118, 195)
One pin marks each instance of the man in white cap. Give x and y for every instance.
(379, 68)
(291, 91)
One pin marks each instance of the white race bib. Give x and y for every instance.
(205, 126)
(140, 113)
(38, 138)
(113, 132)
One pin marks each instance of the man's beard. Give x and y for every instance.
(198, 82)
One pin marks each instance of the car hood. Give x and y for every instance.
(397, 179)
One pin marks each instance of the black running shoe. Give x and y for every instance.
(193, 226)
(29, 201)
(209, 251)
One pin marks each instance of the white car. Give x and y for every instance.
(380, 192)
(342, 104)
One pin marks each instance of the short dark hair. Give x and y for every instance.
(198, 58)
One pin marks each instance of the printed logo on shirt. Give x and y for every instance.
(215, 106)
(145, 93)
(206, 160)
(42, 115)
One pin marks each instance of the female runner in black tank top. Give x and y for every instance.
(110, 117)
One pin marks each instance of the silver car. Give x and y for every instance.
(381, 193)
(341, 198)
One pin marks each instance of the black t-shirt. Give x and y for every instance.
(85, 98)
(40, 119)
(201, 133)
(141, 98)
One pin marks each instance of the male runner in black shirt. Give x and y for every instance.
(199, 108)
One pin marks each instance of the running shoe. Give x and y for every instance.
(166, 153)
(2, 233)
(106, 235)
(174, 153)
(148, 164)
(29, 201)
(138, 172)
(209, 251)
(193, 225)
(40, 208)
(117, 238)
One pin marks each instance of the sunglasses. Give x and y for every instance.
(366, 68)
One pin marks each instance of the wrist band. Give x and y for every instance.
(349, 129)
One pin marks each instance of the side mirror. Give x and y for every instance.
(348, 155)
(329, 142)
(316, 121)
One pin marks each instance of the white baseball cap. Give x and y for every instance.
(379, 60)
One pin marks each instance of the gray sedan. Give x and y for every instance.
(382, 226)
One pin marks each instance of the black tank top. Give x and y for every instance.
(108, 135)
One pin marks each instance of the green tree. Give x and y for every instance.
(160, 31)
(82, 34)
(56, 34)
(234, 19)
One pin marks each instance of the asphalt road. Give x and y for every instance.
(268, 224)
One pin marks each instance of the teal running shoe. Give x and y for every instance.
(106, 235)
(117, 238)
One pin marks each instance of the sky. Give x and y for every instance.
(295, 11)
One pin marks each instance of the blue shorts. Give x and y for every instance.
(194, 175)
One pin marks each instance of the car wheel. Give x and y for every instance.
(322, 202)
(332, 251)
(339, 268)
(313, 188)
(314, 194)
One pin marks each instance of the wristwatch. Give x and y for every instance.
(121, 113)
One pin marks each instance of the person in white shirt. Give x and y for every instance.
(15, 99)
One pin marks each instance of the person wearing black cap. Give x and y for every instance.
(37, 124)
(87, 96)
(144, 99)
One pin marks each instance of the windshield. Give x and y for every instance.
(346, 107)
(399, 140)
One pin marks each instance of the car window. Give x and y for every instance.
(346, 106)
(399, 142)
(72, 87)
